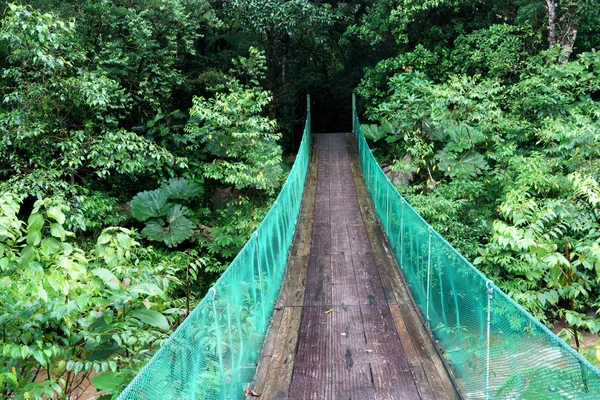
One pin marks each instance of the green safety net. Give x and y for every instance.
(495, 349)
(213, 353)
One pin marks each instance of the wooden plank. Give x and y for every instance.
(414, 362)
(362, 348)
(359, 239)
(368, 282)
(342, 270)
(344, 295)
(318, 281)
(351, 367)
(311, 377)
(354, 219)
(433, 367)
(391, 376)
(321, 238)
(340, 241)
(293, 286)
(279, 375)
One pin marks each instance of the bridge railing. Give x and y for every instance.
(213, 353)
(495, 348)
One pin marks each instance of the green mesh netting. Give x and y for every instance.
(213, 353)
(495, 348)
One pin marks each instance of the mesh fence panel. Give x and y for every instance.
(495, 348)
(213, 353)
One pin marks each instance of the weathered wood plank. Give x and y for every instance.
(318, 281)
(279, 375)
(351, 365)
(368, 282)
(342, 270)
(413, 359)
(312, 373)
(433, 367)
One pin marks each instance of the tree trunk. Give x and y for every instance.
(562, 31)
(551, 22)
(568, 41)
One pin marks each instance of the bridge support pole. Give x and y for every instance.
(354, 112)
(428, 294)
(490, 290)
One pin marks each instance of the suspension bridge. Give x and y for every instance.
(345, 292)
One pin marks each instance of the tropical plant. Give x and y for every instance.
(166, 221)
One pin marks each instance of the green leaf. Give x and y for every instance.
(149, 289)
(27, 255)
(154, 230)
(35, 222)
(149, 204)
(57, 231)
(181, 189)
(34, 237)
(39, 357)
(82, 301)
(42, 293)
(179, 228)
(78, 367)
(56, 214)
(375, 132)
(151, 317)
(111, 382)
(103, 352)
(50, 246)
(104, 238)
(107, 277)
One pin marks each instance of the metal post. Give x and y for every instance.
(387, 208)
(354, 112)
(488, 285)
(219, 343)
(308, 105)
(428, 274)
(262, 300)
(402, 236)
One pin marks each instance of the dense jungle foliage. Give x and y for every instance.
(141, 143)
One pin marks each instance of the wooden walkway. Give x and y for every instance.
(345, 326)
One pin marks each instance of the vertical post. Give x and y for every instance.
(428, 274)
(219, 343)
(308, 118)
(262, 300)
(402, 235)
(488, 285)
(233, 367)
(354, 112)
(387, 208)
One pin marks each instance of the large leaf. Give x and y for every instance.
(177, 229)
(103, 351)
(108, 381)
(107, 277)
(149, 204)
(181, 189)
(151, 317)
(149, 289)
(375, 132)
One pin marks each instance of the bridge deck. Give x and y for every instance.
(344, 325)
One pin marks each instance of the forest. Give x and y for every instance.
(142, 142)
